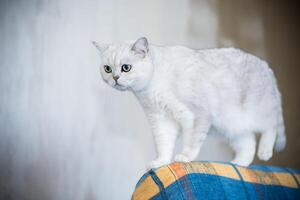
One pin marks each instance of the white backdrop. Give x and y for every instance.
(64, 133)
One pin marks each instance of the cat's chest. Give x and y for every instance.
(156, 101)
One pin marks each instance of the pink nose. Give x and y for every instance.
(116, 78)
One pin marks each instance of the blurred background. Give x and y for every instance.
(64, 134)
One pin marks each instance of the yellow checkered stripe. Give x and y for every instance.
(170, 173)
(146, 190)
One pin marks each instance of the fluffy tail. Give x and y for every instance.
(280, 142)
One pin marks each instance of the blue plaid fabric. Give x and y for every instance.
(216, 180)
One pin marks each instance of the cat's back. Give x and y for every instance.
(219, 66)
(232, 58)
(216, 59)
(241, 65)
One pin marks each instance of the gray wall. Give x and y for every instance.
(67, 135)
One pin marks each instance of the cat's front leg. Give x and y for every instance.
(165, 131)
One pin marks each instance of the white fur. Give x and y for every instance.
(195, 91)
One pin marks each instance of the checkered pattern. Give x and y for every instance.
(216, 180)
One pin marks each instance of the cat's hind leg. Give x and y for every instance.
(244, 148)
(266, 144)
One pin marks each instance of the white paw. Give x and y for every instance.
(265, 154)
(241, 162)
(182, 158)
(156, 163)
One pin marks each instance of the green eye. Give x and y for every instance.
(107, 69)
(126, 68)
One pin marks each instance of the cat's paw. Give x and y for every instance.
(264, 154)
(182, 158)
(244, 163)
(156, 163)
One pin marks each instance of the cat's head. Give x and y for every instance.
(126, 66)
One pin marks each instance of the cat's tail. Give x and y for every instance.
(280, 142)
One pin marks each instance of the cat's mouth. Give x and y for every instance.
(119, 87)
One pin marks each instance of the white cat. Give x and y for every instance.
(196, 91)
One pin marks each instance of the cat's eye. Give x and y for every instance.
(107, 69)
(126, 68)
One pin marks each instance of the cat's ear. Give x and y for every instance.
(141, 46)
(101, 48)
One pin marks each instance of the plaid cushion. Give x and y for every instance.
(216, 180)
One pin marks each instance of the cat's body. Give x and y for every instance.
(194, 91)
